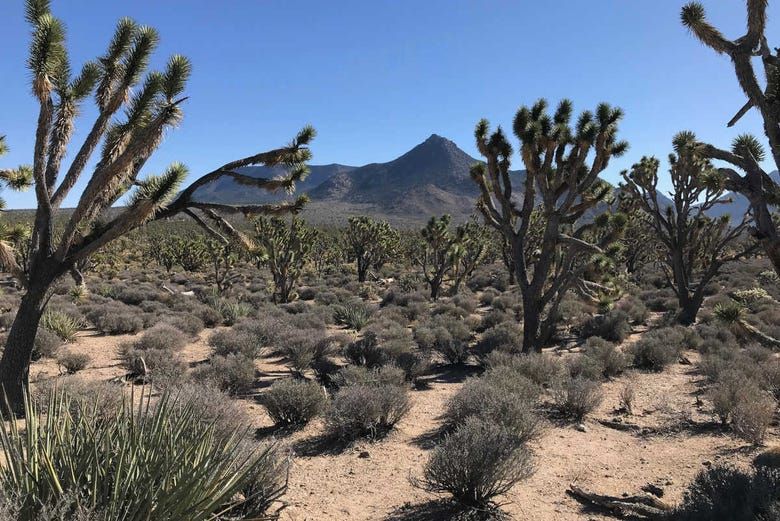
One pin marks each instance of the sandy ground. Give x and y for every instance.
(370, 481)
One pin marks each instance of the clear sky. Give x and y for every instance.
(376, 77)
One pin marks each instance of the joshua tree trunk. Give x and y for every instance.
(689, 308)
(531, 326)
(362, 269)
(15, 363)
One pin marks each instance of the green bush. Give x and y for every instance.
(476, 463)
(156, 462)
(294, 402)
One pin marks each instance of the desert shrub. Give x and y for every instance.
(446, 335)
(506, 400)
(626, 396)
(613, 326)
(414, 365)
(575, 398)
(752, 415)
(611, 359)
(307, 293)
(210, 316)
(541, 369)
(355, 315)
(728, 493)
(724, 394)
(267, 330)
(62, 324)
(476, 463)
(506, 337)
(160, 367)
(635, 309)
(161, 336)
(232, 373)
(366, 410)
(493, 318)
(294, 402)
(379, 376)
(466, 302)
(658, 348)
(487, 296)
(123, 465)
(509, 302)
(659, 300)
(214, 407)
(185, 322)
(769, 458)
(365, 351)
(234, 341)
(305, 348)
(73, 362)
(582, 366)
(115, 318)
(46, 344)
(102, 399)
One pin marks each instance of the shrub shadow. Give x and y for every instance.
(441, 509)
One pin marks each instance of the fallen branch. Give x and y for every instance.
(645, 505)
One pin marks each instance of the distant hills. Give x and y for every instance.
(430, 179)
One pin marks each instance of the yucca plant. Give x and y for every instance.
(733, 315)
(354, 315)
(63, 325)
(151, 461)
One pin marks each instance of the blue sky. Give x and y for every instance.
(377, 77)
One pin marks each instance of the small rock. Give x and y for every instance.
(581, 427)
(364, 454)
(707, 463)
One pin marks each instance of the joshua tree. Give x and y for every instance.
(284, 249)
(151, 105)
(639, 241)
(746, 151)
(695, 246)
(222, 258)
(370, 243)
(471, 244)
(434, 252)
(550, 262)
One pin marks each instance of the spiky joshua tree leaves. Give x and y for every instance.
(151, 103)
(284, 248)
(745, 175)
(547, 239)
(370, 244)
(695, 247)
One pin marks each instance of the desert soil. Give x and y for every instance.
(371, 481)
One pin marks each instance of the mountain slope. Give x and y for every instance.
(735, 205)
(431, 179)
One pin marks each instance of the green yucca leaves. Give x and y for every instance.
(147, 462)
